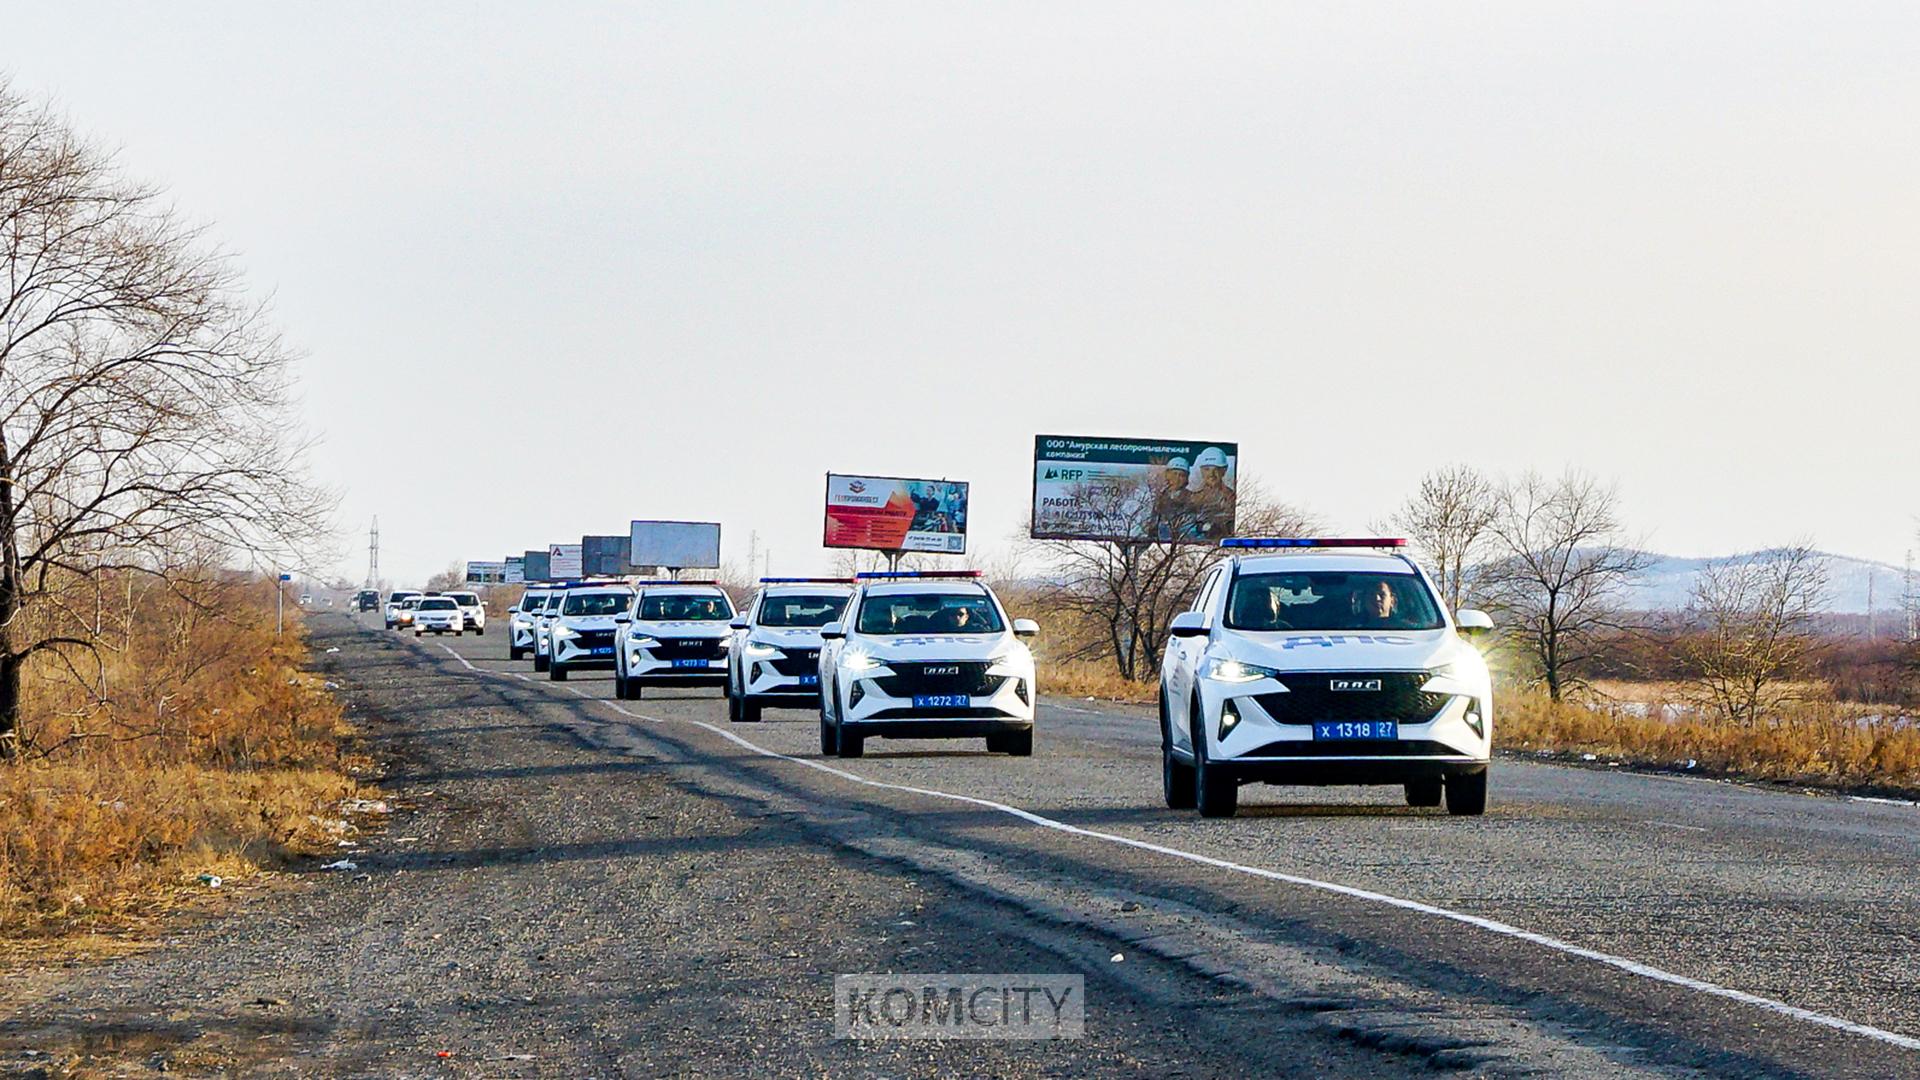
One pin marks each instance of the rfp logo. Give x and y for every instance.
(1353, 684)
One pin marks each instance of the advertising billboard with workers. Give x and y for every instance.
(888, 513)
(486, 573)
(1133, 490)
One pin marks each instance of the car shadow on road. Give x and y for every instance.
(516, 772)
(379, 863)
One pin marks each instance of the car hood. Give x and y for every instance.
(692, 628)
(587, 622)
(1402, 650)
(936, 647)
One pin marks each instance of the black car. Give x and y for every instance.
(368, 600)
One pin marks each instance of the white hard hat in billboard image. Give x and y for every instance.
(1211, 457)
(1180, 463)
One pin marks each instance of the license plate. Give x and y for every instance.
(941, 701)
(689, 663)
(809, 680)
(1337, 731)
(601, 650)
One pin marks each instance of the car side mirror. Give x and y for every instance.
(739, 623)
(1025, 627)
(1189, 624)
(833, 631)
(1472, 622)
(623, 617)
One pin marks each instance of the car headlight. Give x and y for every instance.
(565, 633)
(643, 643)
(1006, 663)
(1225, 669)
(762, 649)
(860, 661)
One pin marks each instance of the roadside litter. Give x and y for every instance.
(342, 864)
(211, 881)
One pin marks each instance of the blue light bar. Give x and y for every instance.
(888, 575)
(806, 581)
(1313, 542)
(671, 581)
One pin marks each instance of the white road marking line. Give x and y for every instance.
(1677, 825)
(1882, 802)
(1631, 967)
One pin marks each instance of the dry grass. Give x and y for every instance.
(200, 747)
(1092, 680)
(1818, 744)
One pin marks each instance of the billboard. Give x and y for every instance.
(534, 566)
(890, 513)
(1133, 489)
(563, 560)
(676, 545)
(606, 556)
(486, 573)
(516, 567)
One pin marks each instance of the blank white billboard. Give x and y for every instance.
(676, 545)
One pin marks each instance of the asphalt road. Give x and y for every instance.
(641, 888)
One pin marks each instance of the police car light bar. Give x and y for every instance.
(883, 575)
(1313, 542)
(672, 581)
(806, 581)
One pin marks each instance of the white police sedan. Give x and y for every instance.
(775, 656)
(1323, 662)
(928, 655)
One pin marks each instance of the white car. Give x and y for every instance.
(677, 634)
(403, 618)
(473, 611)
(394, 600)
(520, 622)
(926, 656)
(542, 621)
(775, 656)
(1299, 666)
(582, 632)
(437, 614)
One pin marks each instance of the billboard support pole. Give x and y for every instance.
(893, 562)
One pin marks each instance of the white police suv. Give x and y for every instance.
(394, 600)
(677, 633)
(520, 621)
(929, 655)
(1323, 662)
(775, 656)
(582, 631)
(542, 621)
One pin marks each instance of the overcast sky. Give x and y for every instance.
(677, 261)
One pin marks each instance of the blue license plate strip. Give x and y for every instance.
(941, 701)
(1351, 730)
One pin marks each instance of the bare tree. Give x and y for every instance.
(143, 402)
(1450, 519)
(1560, 564)
(453, 577)
(1754, 630)
(1129, 591)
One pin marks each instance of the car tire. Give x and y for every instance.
(539, 662)
(556, 672)
(514, 652)
(733, 706)
(634, 689)
(1176, 776)
(480, 631)
(619, 685)
(419, 633)
(1215, 793)
(749, 711)
(1424, 792)
(1467, 794)
(1017, 743)
(845, 745)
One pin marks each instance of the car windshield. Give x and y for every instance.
(532, 601)
(466, 599)
(1327, 600)
(601, 603)
(438, 603)
(800, 610)
(553, 601)
(929, 613)
(684, 608)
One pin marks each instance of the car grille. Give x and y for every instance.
(1311, 697)
(909, 679)
(796, 662)
(1356, 748)
(591, 639)
(688, 649)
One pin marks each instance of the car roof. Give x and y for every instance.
(1344, 563)
(927, 585)
(819, 588)
(595, 590)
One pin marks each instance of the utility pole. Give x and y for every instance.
(1907, 600)
(1873, 627)
(373, 554)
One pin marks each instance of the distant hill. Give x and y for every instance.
(1668, 581)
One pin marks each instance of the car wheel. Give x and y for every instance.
(619, 685)
(733, 706)
(1214, 791)
(515, 653)
(557, 672)
(749, 711)
(419, 633)
(1467, 794)
(480, 630)
(539, 662)
(634, 689)
(829, 742)
(1176, 776)
(1423, 792)
(1012, 743)
(845, 743)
